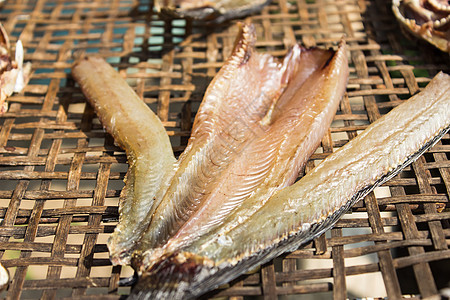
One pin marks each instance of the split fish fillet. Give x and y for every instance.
(229, 203)
(216, 11)
(258, 124)
(255, 109)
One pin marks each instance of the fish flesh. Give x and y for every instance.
(426, 19)
(215, 11)
(140, 132)
(259, 122)
(14, 74)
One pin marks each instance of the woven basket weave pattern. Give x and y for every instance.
(61, 174)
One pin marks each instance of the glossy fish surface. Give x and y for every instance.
(216, 11)
(137, 130)
(229, 203)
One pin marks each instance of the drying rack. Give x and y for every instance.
(61, 174)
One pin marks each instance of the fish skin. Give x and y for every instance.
(140, 132)
(213, 11)
(298, 213)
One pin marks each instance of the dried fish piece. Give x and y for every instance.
(277, 123)
(297, 214)
(4, 278)
(14, 75)
(140, 132)
(249, 88)
(216, 11)
(425, 19)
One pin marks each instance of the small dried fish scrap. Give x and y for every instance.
(216, 11)
(425, 19)
(228, 204)
(4, 278)
(14, 74)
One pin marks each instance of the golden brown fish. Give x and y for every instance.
(426, 19)
(216, 11)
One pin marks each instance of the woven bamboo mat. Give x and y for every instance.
(61, 175)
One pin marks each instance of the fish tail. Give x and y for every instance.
(172, 277)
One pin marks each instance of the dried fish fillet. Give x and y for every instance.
(212, 177)
(204, 184)
(14, 74)
(137, 130)
(297, 214)
(426, 19)
(277, 123)
(216, 11)
(321, 196)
